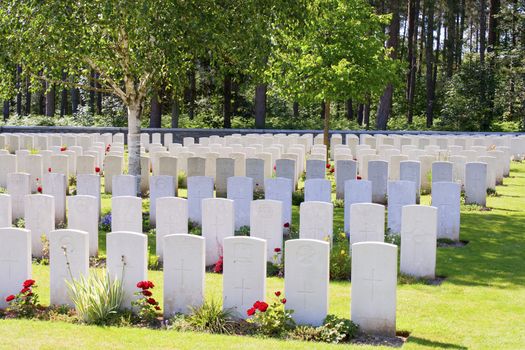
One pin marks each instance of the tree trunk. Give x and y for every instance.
(236, 97)
(384, 109)
(349, 109)
(296, 109)
(451, 36)
(192, 94)
(98, 98)
(412, 42)
(175, 111)
(482, 30)
(18, 90)
(438, 46)
(6, 110)
(366, 114)
(260, 106)
(429, 62)
(326, 131)
(493, 38)
(156, 111)
(92, 93)
(42, 99)
(50, 101)
(227, 96)
(134, 114)
(360, 110)
(63, 98)
(460, 40)
(28, 97)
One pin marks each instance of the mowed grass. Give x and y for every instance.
(480, 305)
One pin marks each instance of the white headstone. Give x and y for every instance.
(217, 223)
(124, 185)
(225, 168)
(280, 189)
(319, 190)
(344, 170)
(400, 193)
(199, 188)
(184, 276)
(89, 185)
(39, 219)
(68, 259)
(126, 214)
(172, 218)
(6, 211)
(18, 187)
(266, 222)
(306, 280)
(367, 223)
(418, 241)
(316, 221)
(378, 175)
(446, 197)
(374, 282)
(83, 215)
(54, 184)
(356, 191)
(15, 261)
(244, 273)
(476, 183)
(160, 186)
(240, 190)
(127, 260)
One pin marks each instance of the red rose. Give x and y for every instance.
(278, 293)
(218, 265)
(157, 308)
(49, 169)
(263, 306)
(28, 283)
(277, 250)
(251, 311)
(327, 165)
(25, 290)
(359, 177)
(257, 304)
(39, 189)
(147, 293)
(97, 169)
(332, 170)
(140, 284)
(283, 300)
(150, 284)
(152, 301)
(62, 149)
(286, 225)
(37, 179)
(10, 298)
(275, 167)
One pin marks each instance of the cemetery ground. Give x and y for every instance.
(478, 305)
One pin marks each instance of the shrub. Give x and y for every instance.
(97, 299)
(243, 231)
(297, 197)
(105, 223)
(336, 329)
(145, 305)
(181, 180)
(305, 333)
(25, 303)
(211, 318)
(340, 265)
(272, 320)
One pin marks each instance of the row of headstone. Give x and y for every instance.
(374, 273)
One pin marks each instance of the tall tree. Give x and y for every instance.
(450, 43)
(493, 37)
(260, 106)
(50, 99)
(429, 54)
(156, 110)
(413, 15)
(385, 103)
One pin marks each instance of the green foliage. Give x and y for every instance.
(211, 318)
(194, 228)
(334, 330)
(181, 180)
(272, 320)
(97, 298)
(243, 231)
(298, 197)
(3, 190)
(154, 263)
(145, 306)
(25, 303)
(20, 223)
(392, 238)
(340, 261)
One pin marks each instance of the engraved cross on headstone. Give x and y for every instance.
(242, 288)
(182, 270)
(372, 281)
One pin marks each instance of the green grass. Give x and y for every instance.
(480, 305)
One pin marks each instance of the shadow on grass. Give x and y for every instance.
(494, 256)
(434, 344)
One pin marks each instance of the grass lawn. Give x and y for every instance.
(480, 305)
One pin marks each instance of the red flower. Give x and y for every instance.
(49, 169)
(332, 170)
(359, 177)
(25, 290)
(283, 300)
(62, 149)
(277, 250)
(150, 284)
(10, 298)
(257, 304)
(157, 308)
(140, 284)
(286, 225)
(147, 293)
(28, 283)
(39, 189)
(327, 165)
(251, 311)
(218, 265)
(37, 179)
(263, 306)
(97, 169)
(275, 167)
(152, 301)
(278, 293)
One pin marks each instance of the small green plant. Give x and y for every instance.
(272, 320)
(298, 197)
(392, 238)
(338, 203)
(243, 231)
(305, 333)
(211, 318)
(336, 330)
(154, 263)
(194, 228)
(44, 259)
(20, 223)
(25, 303)
(258, 193)
(3, 190)
(340, 262)
(181, 180)
(145, 305)
(97, 298)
